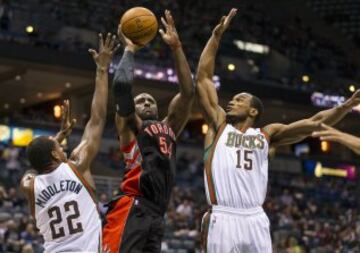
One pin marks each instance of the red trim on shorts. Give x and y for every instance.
(131, 181)
(114, 228)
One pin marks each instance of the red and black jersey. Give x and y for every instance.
(150, 164)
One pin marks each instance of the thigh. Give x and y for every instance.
(125, 227)
(259, 236)
(137, 231)
(155, 235)
(218, 234)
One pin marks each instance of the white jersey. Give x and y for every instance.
(236, 169)
(65, 211)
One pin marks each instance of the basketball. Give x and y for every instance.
(139, 25)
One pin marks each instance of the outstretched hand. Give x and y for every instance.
(107, 49)
(170, 36)
(67, 124)
(224, 23)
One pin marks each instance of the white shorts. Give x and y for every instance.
(232, 230)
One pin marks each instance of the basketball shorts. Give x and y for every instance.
(232, 230)
(133, 225)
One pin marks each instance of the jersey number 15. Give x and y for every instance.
(244, 159)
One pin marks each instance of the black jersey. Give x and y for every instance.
(150, 164)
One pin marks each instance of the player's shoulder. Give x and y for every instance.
(27, 182)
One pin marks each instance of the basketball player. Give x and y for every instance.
(134, 222)
(60, 191)
(236, 158)
(331, 134)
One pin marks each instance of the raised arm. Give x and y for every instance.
(331, 134)
(297, 131)
(126, 120)
(205, 89)
(85, 152)
(180, 106)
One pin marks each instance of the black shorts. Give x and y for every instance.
(133, 225)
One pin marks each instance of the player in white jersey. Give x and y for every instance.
(60, 191)
(236, 158)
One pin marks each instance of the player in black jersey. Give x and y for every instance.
(134, 222)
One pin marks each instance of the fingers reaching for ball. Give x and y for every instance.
(107, 48)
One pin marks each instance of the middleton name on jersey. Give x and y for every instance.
(63, 185)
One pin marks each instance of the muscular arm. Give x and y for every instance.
(180, 107)
(205, 90)
(299, 130)
(281, 134)
(331, 134)
(125, 119)
(90, 141)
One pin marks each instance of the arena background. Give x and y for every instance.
(299, 56)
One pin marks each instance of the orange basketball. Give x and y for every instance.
(140, 25)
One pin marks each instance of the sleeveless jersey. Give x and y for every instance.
(65, 211)
(150, 164)
(236, 168)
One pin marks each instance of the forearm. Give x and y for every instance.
(186, 83)
(207, 59)
(333, 115)
(122, 85)
(96, 123)
(100, 98)
(350, 141)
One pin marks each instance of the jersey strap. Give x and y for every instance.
(208, 161)
(90, 190)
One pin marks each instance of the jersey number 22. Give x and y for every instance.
(70, 207)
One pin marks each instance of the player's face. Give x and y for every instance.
(146, 107)
(239, 106)
(58, 152)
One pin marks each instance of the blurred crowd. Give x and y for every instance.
(72, 26)
(307, 214)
